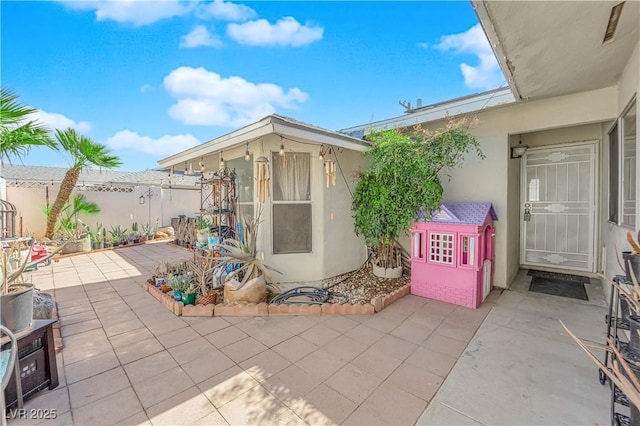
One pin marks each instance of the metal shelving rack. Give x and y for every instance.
(614, 325)
(219, 201)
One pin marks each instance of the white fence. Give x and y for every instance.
(120, 205)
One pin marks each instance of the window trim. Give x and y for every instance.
(618, 126)
(452, 238)
(275, 202)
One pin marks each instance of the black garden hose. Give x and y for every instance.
(314, 295)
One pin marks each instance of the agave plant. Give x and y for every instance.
(244, 252)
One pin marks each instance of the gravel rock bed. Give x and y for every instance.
(362, 286)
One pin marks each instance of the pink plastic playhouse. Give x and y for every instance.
(452, 254)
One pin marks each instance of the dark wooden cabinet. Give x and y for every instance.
(37, 359)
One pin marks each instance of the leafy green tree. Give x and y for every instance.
(83, 153)
(17, 132)
(404, 179)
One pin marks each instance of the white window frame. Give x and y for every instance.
(437, 254)
(623, 166)
(275, 202)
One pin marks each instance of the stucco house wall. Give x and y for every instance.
(561, 119)
(335, 247)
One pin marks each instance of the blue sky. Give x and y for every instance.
(150, 79)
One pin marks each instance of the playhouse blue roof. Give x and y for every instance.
(462, 213)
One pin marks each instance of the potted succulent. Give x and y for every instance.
(189, 295)
(148, 232)
(202, 230)
(179, 283)
(118, 234)
(134, 237)
(248, 276)
(69, 226)
(96, 236)
(404, 178)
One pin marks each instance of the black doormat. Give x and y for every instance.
(559, 276)
(556, 287)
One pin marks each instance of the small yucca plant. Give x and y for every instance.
(245, 252)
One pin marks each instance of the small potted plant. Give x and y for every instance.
(117, 234)
(134, 237)
(179, 283)
(97, 237)
(148, 231)
(202, 230)
(189, 295)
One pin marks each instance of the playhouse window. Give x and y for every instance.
(441, 246)
(467, 250)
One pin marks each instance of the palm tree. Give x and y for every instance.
(83, 153)
(17, 133)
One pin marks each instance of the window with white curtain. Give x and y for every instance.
(291, 202)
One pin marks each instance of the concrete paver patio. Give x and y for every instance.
(128, 360)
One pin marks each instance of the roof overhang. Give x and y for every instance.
(554, 48)
(455, 107)
(272, 124)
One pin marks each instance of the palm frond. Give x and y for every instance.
(17, 132)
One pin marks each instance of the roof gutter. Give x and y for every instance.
(480, 7)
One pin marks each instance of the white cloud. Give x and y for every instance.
(200, 36)
(58, 121)
(487, 73)
(165, 145)
(146, 88)
(206, 98)
(135, 12)
(226, 11)
(286, 32)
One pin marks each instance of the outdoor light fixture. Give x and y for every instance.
(321, 156)
(141, 199)
(247, 155)
(223, 164)
(201, 164)
(281, 153)
(518, 150)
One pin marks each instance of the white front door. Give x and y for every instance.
(558, 207)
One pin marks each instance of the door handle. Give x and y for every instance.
(527, 212)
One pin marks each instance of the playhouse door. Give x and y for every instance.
(557, 211)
